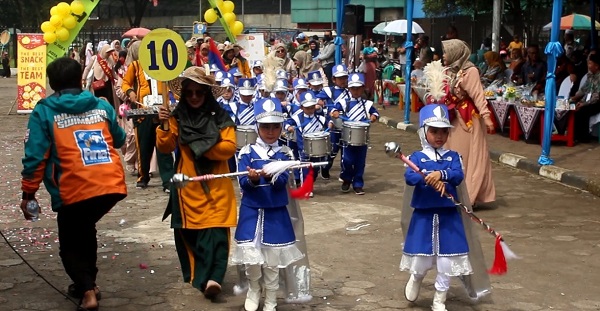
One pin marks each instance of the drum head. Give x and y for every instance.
(245, 128)
(356, 124)
(317, 134)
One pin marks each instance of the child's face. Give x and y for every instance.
(316, 88)
(357, 92)
(309, 111)
(257, 71)
(269, 132)
(246, 98)
(299, 92)
(436, 136)
(228, 93)
(341, 81)
(280, 95)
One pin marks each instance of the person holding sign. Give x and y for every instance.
(135, 86)
(201, 213)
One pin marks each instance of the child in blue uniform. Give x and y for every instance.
(244, 113)
(330, 96)
(307, 122)
(265, 238)
(355, 109)
(436, 234)
(229, 102)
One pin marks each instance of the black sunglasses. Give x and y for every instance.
(190, 93)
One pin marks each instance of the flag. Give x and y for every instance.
(214, 56)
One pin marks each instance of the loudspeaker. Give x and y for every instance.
(354, 19)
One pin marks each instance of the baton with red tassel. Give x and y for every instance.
(502, 251)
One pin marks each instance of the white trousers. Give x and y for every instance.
(442, 281)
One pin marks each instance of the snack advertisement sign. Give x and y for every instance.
(31, 67)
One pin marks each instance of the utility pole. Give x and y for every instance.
(496, 25)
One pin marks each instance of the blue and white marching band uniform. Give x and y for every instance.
(332, 95)
(230, 105)
(265, 240)
(354, 157)
(304, 124)
(244, 115)
(436, 235)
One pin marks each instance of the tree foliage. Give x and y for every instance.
(525, 16)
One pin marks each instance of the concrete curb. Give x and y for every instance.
(555, 173)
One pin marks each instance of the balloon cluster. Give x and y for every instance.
(226, 8)
(62, 20)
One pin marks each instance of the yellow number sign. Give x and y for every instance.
(163, 54)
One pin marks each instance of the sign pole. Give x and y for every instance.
(166, 103)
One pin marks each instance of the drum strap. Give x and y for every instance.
(245, 117)
(356, 113)
(311, 125)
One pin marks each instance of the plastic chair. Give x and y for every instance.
(565, 88)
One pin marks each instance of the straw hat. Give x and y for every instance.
(198, 75)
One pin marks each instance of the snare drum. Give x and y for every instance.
(356, 133)
(317, 144)
(245, 135)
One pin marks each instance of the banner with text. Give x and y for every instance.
(254, 46)
(31, 70)
(61, 48)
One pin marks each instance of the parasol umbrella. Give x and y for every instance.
(136, 32)
(379, 28)
(398, 27)
(575, 22)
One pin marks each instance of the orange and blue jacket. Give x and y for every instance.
(70, 145)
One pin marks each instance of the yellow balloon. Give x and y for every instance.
(227, 6)
(210, 16)
(77, 7)
(53, 11)
(47, 27)
(56, 20)
(63, 9)
(62, 34)
(219, 3)
(237, 28)
(49, 37)
(229, 18)
(69, 22)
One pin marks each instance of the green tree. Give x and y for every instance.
(24, 12)
(525, 16)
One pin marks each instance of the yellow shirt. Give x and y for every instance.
(197, 209)
(515, 45)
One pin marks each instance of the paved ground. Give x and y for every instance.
(582, 158)
(551, 226)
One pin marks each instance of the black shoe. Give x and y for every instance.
(325, 174)
(359, 190)
(141, 185)
(346, 186)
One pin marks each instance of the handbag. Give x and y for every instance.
(98, 85)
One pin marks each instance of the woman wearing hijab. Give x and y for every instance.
(470, 117)
(313, 45)
(495, 69)
(89, 53)
(103, 76)
(202, 213)
(305, 64)
(280, 51)
(202, 55)
(116, 44)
